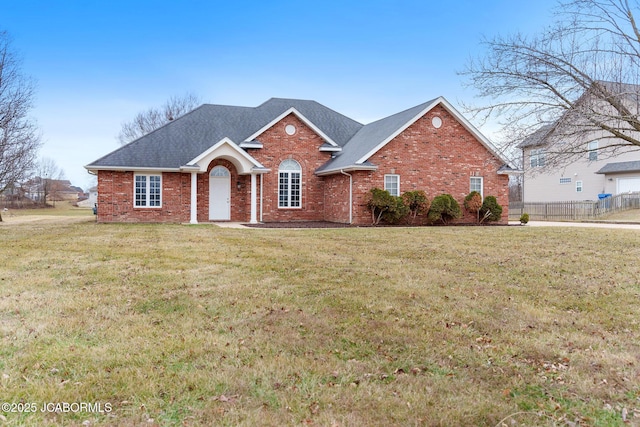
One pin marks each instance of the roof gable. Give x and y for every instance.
(374, 136)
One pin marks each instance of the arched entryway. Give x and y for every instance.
(219, 194)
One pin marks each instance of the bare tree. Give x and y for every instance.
(153, 118)
(578, 80)
(49, 180)
(19, 139)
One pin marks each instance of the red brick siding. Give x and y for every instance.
(302, 147)
(336, 198)
(115, 199)
(434, 160)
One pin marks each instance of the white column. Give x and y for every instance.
(254, 198)
(194, 198)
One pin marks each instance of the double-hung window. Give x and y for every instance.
(537, 158)
(475, 184)
(593, 151)
(289, 184)
(392, 184)
(148, 191)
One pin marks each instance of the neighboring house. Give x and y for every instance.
(600, 165)
(293, 160)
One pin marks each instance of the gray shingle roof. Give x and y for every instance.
(537, 138)
(620, 167)
(177, 143)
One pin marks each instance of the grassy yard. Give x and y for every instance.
(197, 325)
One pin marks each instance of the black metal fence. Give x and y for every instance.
(565, 211)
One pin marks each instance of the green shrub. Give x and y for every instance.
(524, 218)
(417, 202)
(385, 207)
(444, 208)
(490, 210)
(473, 203)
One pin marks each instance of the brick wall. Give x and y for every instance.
(435, 160)
(302, 147)
(336, 198)
(115, 198)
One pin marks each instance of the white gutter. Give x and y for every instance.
(350, 195)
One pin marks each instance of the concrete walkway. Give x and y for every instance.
(227, 224)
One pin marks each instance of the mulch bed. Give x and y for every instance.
(300, 224)
(326, 224)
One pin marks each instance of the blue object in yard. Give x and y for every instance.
(604, 196)
(95, 209)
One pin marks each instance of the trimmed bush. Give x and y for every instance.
(444, 208)
(473, 203)
(385, 207)
(417, 202)
(490, 210)
(524, 218)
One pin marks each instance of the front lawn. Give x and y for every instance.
(198, 325)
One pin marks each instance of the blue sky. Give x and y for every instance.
(98, 63)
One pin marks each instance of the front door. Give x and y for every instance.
(220, 194)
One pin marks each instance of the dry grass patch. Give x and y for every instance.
(198, 325)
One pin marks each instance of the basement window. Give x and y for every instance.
(147, 191)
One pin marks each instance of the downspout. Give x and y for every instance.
(350, 195)
(261, 181)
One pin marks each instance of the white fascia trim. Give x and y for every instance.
(331, 149)
(301, 117)
(347, 169)
(251, 144)
(465, 123)
(129, 169)
(233, 146)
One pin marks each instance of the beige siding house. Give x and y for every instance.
(599, 164)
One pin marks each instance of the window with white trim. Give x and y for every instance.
(392, 184)
(289, 184)
(565, 180)
(476, 184)
(536, 158)
(578, 186)
(593, 150)
(147, 191)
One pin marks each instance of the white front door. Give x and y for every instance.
(220, 194)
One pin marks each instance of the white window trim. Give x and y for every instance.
(392, 175)
(481, 185)
(147, 190)
(289, 172)
(565, 180)
(592, 151)
(579, 187)
(537, 154)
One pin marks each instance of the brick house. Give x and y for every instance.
(293, 160)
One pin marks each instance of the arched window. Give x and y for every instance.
(219, 171)
(289, 184)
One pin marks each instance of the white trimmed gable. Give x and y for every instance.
(309, 123)
(226, 149)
